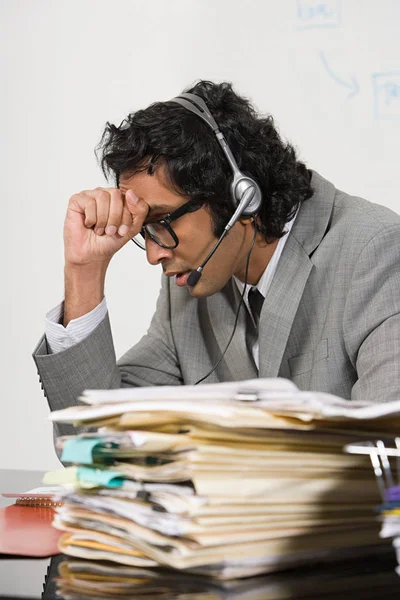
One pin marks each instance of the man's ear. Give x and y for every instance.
(246, 220)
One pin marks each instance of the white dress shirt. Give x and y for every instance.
(60, 338)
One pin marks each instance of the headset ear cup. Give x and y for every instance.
(232, 195)
(255, 204)
(240, 189)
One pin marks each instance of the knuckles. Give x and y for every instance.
(102, 195)
(99, 194)
(98, 208)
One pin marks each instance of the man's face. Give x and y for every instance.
(195, 234)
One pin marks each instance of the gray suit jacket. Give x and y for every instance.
(330, 321)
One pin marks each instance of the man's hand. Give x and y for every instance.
(99, 222)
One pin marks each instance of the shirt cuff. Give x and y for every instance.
(61, 338)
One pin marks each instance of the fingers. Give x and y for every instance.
(126, 222)
(116, 207)
(103, 209)
(109, 212)
(102, 198)
(90, 211)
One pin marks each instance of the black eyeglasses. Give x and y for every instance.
(161, 232)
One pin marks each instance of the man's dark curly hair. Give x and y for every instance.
(167, 134)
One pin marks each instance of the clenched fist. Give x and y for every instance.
(99, 222)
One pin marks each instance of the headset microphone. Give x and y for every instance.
(247, 198)
(245, 192)
(195, 275)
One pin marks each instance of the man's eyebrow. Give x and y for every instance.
(160, 208)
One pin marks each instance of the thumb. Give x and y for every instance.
(136, 206)
(134, 213)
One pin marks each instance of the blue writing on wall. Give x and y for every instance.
(349, 82)
(386, 88)
(311, 13)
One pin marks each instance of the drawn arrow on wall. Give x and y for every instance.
(351, 85)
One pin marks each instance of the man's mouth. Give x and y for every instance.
(181, 277)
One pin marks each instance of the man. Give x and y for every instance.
(326, 265)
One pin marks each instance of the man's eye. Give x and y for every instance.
(154, 224)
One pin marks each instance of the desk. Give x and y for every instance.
(25, 578)
(21, 577)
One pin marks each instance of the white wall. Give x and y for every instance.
(329, 71)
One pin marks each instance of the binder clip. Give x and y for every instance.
(247, 396)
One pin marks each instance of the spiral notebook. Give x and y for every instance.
(26, 526)
(28, 531)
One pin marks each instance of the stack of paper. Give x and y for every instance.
(228, 480)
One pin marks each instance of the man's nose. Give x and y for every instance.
(155, 253)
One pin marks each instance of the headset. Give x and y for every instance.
(245, 193)
(245, 196)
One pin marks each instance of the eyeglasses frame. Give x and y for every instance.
(190, 206)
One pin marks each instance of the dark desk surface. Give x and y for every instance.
(25, 578)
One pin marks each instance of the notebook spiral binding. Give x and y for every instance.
(39, 502)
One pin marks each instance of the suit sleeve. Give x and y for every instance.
(91, 364)
(372, 319)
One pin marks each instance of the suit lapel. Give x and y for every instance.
(294, 267)
(238, 364)
(280, 306)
